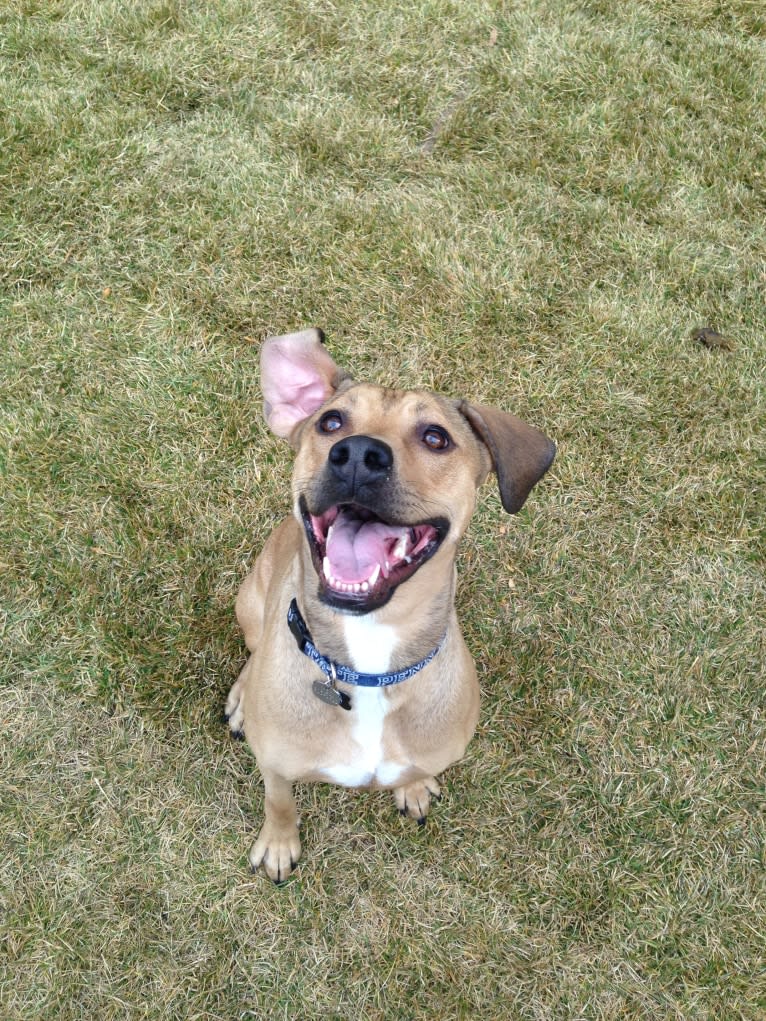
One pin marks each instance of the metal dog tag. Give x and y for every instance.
(325, 692)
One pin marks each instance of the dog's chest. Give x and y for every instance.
(364, 760)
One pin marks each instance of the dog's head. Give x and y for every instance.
(385, 480)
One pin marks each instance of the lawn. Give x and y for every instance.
(531, 204)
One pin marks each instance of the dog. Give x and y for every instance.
(358, 673)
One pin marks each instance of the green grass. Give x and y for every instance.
(531, 205)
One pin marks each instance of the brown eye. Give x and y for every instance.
(436, 438)
(330, 422)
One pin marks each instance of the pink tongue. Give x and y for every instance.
(355, 547)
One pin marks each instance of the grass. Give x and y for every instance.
(531, 205)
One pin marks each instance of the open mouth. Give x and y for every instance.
(360, 558)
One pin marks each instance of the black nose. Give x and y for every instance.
(360, 461)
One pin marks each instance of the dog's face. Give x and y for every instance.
(385, 480)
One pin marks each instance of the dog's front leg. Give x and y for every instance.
(278, 846)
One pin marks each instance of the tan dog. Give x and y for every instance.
(369, 683)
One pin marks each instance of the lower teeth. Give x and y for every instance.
(348, 586)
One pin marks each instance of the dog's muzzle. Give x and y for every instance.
(361, 551)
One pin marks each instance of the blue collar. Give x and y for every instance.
(337, 671)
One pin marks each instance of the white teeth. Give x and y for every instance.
(400, 550)
(329, 533)
(333, 582)
(349, 586)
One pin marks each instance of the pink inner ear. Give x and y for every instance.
(295, 382)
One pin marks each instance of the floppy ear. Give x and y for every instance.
(521, 455)
(297, 377)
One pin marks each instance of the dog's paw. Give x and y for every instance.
(414, 800)
(233, 712)
(277, 851)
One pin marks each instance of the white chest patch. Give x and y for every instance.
(371, 648)
(370, 645)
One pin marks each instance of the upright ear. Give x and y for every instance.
(297, 377)
(520, 454)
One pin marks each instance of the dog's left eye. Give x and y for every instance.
(330, 422)
(436, 438)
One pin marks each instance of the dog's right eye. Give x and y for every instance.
(330, 422)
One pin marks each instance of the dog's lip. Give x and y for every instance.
(416, 543)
